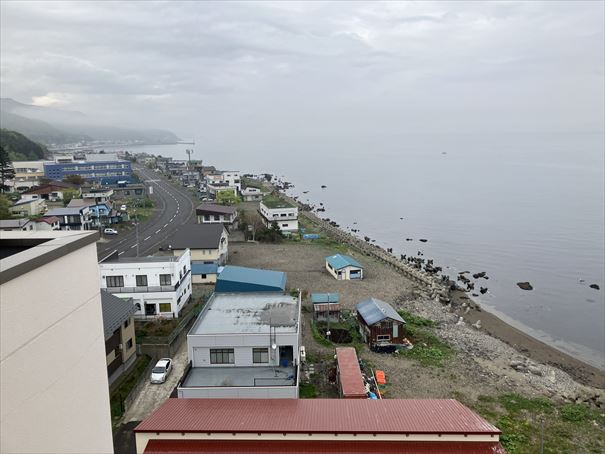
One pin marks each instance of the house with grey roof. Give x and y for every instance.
(379, 323)
(72, 218)
(210, 213)
(118, 326)
(208, 243)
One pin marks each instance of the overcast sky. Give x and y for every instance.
(317, 69)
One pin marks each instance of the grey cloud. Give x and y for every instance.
(297, 66)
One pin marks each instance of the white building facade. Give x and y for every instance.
(54, 395)
(286, 217)
(159, 286)
(244, 345)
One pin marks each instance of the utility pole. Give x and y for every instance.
(328, 333)
(189, 151)
(136, 225)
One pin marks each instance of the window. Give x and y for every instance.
(184, 269)
(283, 215)
(383, 337)
(260, 355)
(141, 280)
(222, 356)
(284, 225)
(115, 281)
(127, 322)
(165, 279)
(165, 307)
(206, 217)
(217, 217)
(129, 343)
(203, 276)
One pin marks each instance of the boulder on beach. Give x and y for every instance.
(595, 286)
(525, 285)
(323, 186)
(423, 240)
(479, 275)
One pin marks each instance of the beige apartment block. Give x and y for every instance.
(53, 373)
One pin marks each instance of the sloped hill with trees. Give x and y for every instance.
(20, 148)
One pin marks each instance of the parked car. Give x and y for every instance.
(110, 232)
(161, 370)
(123, 208)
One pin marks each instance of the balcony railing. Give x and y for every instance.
(148, 289)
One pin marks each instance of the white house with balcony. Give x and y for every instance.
(244, 345)
(159, 286)
(284, 213)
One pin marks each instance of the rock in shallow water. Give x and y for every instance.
(525, 285)
(595, 286)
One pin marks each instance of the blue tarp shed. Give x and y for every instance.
(324, 298)
(240, 279)
(373, 310)
(340, 261)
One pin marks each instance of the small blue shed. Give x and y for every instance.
(203, 273)
(240, 279)
(343, 267)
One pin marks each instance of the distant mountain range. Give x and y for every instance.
(56, 126)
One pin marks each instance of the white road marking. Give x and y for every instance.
(133, 246)
(147, 238)
(158, 231)
(120, 253)
(165, 225)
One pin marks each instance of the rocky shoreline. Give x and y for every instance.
(526, 355)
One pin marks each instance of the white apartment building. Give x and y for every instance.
(244, 345)
(27, 174)
(54, 395)
(159, 286)
(282, 212)
(233, 179)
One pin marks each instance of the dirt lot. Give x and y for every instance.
(481, 364)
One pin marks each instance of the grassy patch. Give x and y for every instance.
(428, 349)
(319, 338)
(272, 201)
(307, 391)
(415, 320)
(128, 382)
(523, 420)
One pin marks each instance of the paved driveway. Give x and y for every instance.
(152, 396)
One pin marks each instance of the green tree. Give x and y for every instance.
(227, 197)
(4, 205)
(76, 179)
(7, 171)
(69, 194)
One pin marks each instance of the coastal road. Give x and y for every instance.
(173, 208)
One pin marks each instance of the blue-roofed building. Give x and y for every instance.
(326, 306)
(343, 267)
(379, 323)
(237, 279)
(103, 168)
(204, 273)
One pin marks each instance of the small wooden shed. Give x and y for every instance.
(379, 323)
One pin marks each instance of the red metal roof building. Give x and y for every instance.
(349, 374)
(315, 425)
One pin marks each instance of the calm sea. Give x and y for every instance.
(520, 207)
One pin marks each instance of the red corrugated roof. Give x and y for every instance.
(351, 381)
(316, 416)
(310, 447)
